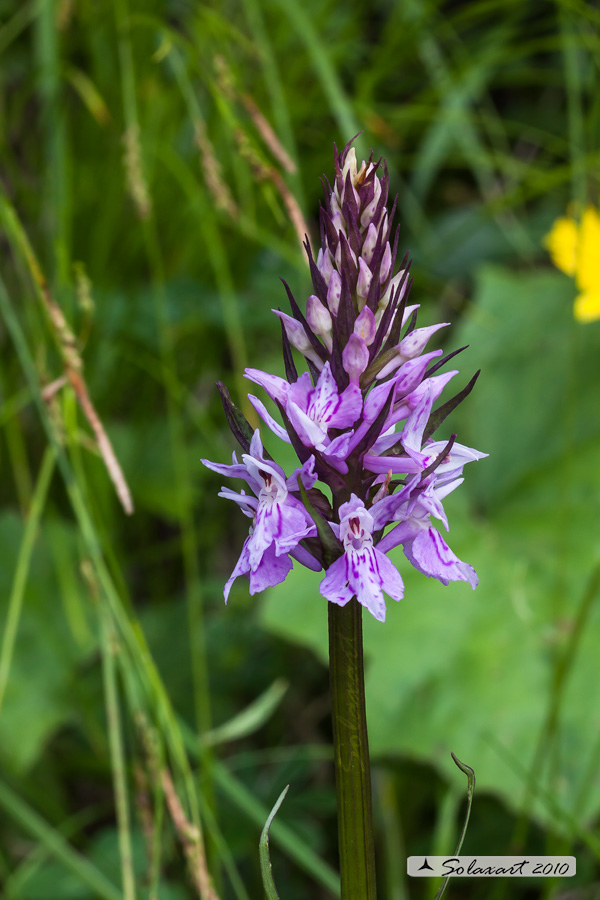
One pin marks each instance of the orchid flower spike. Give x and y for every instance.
(360, 414)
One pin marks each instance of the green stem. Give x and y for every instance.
(351, 750)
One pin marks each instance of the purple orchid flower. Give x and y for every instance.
(363, 413)
(312, 411)
(422, 543)
(363, 571)
(279, 520)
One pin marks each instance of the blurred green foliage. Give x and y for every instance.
(161, 211)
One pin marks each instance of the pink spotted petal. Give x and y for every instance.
(412, 434)
(365, 580)
(405, 531)
(271, 571)
(306, 472)
(294, 526)
(268, 419)
(391, 581)
(348, 409)
(299, 391)
(430, 554)
(334, 586)
(268, 525)
(339, 446)
(275, 386)
(308, 431)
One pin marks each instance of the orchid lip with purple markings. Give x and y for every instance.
(312, 411)
(279, 520)
(363, 571)
(360, 414)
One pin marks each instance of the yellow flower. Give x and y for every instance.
(575, 250)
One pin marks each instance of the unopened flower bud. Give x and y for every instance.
(338, 255)
(386, 264)
(349, 165)
(324, 264)
(365, 326)
(334, 292)
(415, 342)
(369, 211)
(298, 338)
(410, 347)
(355, 357)
(365, 276)
(319, 319)
(369, 243)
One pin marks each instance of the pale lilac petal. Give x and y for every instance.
(256, 447)
(431, 502)
(305, 558)
(435, 385)
(334, 586)
(386, 440)
(339, 446)
(271, 571)
(409, 309)
(405, 531)
(232, 471)
(268, 419)
(300, 390)
(387, 509)
(242, 567)
(415, 342)
(308, 431)
(391, 580)
(307, 474)
(324, 264)
(456, 459)
(390, 366)
(268, 525)
(399, 465)
(430, 554)
(323, 399)
(364, 579)
(352, 507)
(410, 375)
(295, 525)
(412, 434)
(256, 465)
(387, 296)
(246, 502)
(275, 386)
(348, 409)
(442, 490)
